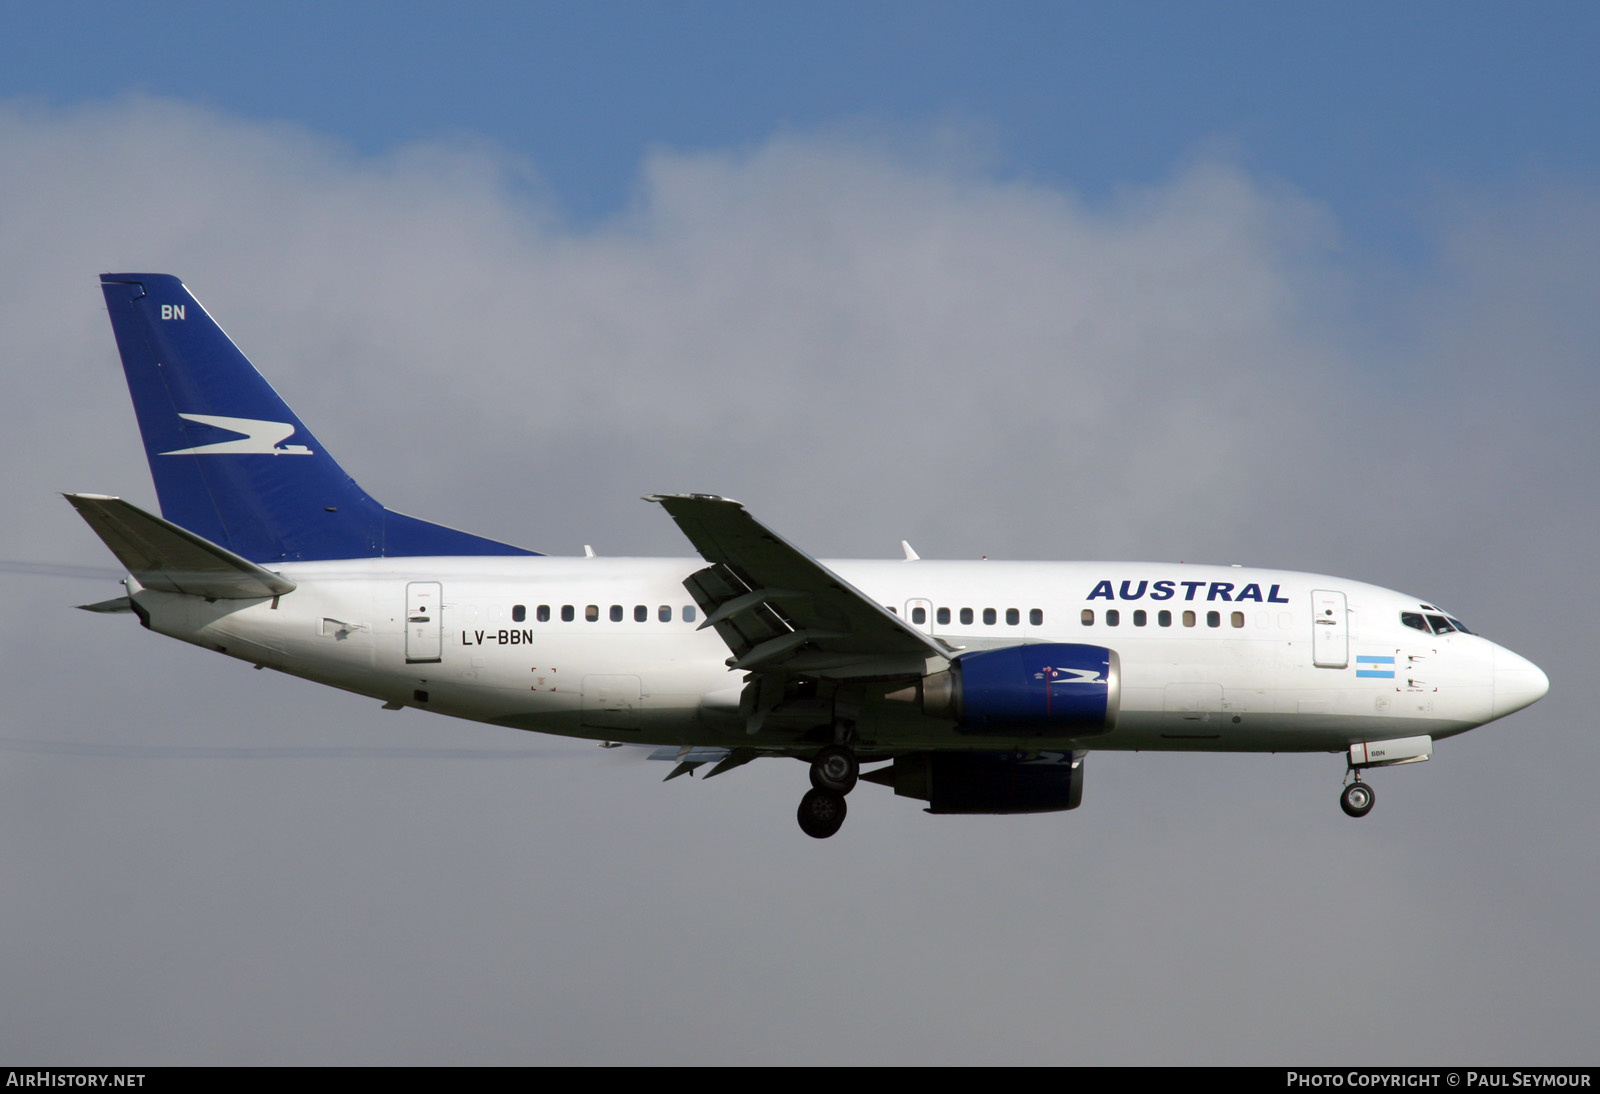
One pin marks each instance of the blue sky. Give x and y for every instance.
(1371, 107)
(1311, 286)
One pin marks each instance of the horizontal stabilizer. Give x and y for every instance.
(165, 557)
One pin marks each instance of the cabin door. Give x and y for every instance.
(1330, 630)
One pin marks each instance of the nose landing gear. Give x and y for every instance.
(1357, 799)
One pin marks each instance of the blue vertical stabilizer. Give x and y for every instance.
(231, 462)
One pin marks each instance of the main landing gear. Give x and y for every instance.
(821, 813)
(834, 771)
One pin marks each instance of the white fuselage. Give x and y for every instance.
(1212, 658)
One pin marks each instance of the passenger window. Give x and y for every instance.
(1113, 617)
(543, 614)
(519, 613)
(1237, 619)
(890, 609)
(1164, 618)
(688, 613)
(1213, 619)
(1188, 619)
(664, 613)
(1036, 617)
(989, 617)
(567, 613)
(966, 616)
(919, 615)
(1013, 617)
(592, 612)
(1139, 617)
(1087, 618)
(616, 613)
(640, 613)
(943, 616)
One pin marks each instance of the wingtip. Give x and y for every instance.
(663, 498)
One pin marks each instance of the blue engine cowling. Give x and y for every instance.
(1055, 689)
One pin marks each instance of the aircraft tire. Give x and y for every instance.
(1357, 800)
(835, 770)
(821, 813)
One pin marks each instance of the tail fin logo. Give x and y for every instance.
(260, 438)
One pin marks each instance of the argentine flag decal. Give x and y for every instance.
(1379, 668)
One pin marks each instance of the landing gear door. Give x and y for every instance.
(1330, 630)
(424, 621)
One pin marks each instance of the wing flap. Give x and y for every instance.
(167, 558)
(780, 610)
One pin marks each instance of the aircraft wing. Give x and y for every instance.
(780, 610)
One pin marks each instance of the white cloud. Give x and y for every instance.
(815, 324)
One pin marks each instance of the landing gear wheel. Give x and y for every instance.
(1357, 799)
(821, 813)
(834, 770)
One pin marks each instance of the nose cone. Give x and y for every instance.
(1518, 682)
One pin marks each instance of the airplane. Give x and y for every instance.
(974, 686)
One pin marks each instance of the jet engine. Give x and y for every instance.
(1053, 689)
(987, 782)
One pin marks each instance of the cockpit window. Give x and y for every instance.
(1432, 624)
